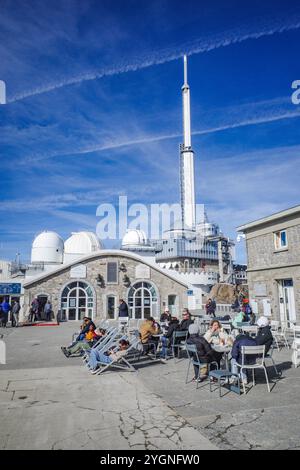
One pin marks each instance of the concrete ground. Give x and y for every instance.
(50, 402)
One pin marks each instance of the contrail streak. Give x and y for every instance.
(157, 138)
(198, 46)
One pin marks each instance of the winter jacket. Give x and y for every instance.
(16, 308)
(5, 307)
(216, 337)
(123, 310)
(173, 325)
(146, 330)
(210, 308)
(184, 324)
(264, 337)
(239, 318)
(204, 349)
(165, 317)
(236, 353)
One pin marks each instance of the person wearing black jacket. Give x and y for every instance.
(264, 335)
(204, 349)
(123, 309)
(166, 340)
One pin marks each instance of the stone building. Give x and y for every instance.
(273, 251)
(93, 285)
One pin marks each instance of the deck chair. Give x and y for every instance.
(123, 362)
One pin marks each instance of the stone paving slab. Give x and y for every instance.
(257, 420)
(62, 406)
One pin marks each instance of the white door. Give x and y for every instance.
(287, 300)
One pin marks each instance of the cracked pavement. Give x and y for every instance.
(50, 402)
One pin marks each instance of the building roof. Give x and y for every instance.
(269, 219)
(99, 254)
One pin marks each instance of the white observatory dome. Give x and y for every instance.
(47, 247)
(80, 244)
(134, 238)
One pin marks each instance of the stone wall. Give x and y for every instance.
(53, 284)
(266, 265)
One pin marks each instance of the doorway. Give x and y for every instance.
(287, 300)
(172, 304)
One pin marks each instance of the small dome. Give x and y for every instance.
(47, 247)
(134, 238)
(80, 244)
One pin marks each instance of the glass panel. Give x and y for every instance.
(146, 293)
(89, 292)
(65, 292)
(82, 312)
(111, 307)
(72, 285)
(147, 312)
(72, 303)
(112, 272)
(138, 285)
(283, 238)
(72, 314)
(82, 302)
(81, 293)
(138, 302)
(138, 312)
(73, 293)
(83, 285)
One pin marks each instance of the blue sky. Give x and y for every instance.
(94, 110)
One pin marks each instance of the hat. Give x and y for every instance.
(193, 329)
(262, 321)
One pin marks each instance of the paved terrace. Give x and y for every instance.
(50, 402)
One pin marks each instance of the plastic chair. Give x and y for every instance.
(259, 354)
(195, 360)
(181, 336)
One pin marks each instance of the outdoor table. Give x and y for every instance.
(223, 349)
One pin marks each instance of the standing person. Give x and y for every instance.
(6, 307)
(15, 314)
(123, 309)
(34, 310)
(210, 307)
(48, 310)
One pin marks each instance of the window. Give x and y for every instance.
(280, 240)
(112, 273)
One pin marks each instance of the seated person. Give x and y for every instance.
(147, 329)
(166, 339)
(264, 335)
(205, 352)
(239, 318)
(107, 358)
(174, 325)
(216, 335)
(166, 316)
(84, 328)
(90, 338)
(236, 354)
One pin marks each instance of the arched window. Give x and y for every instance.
(143, 300)
(77, 301)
